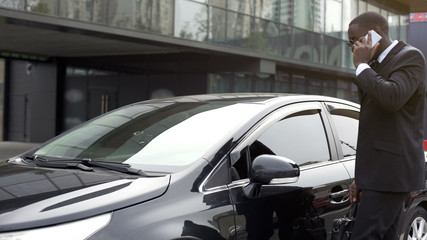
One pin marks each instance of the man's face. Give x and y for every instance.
(355, 32)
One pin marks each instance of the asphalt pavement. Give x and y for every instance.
(11, 149)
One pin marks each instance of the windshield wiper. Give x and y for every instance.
(86, 164)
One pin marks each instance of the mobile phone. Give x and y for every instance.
(375, 37)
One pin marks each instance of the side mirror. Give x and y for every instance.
(269, 170)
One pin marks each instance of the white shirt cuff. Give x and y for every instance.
(361, 67)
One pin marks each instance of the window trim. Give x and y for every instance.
(324, 109)
(268, 121)
(282, 113)
(331, 107)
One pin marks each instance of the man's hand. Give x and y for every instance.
(355, 193)
(362, 50)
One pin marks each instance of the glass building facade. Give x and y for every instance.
(307, 30)
(303, 30)
(310, 32)
(305, 39)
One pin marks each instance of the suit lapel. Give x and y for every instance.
(390, 55)
(374, 64)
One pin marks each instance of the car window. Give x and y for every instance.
(300, 137)
(346, 122)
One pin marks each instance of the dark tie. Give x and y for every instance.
(374, 64)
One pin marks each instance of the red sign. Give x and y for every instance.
(418, 17)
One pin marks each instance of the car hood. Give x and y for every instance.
(34, 197)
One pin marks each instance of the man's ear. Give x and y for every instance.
(379, 31)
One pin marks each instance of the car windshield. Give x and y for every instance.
(161, 136)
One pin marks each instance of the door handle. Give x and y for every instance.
(339, 197)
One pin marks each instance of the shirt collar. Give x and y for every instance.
(386, 51)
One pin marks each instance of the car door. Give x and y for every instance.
(300, 132)
(344, 121)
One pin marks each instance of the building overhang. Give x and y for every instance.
(414, 5)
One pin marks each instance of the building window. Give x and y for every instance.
(333, 19)
(241, 6)
(242, 82)
(404, 28)
(393, 25)
(309, 15)
(191, 20)
(348, 14)
(332, 51)
(303, 45)
(217, 25)
(282, 82)
(238, 29)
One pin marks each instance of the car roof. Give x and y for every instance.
(254, 98)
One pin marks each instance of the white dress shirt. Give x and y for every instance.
(380, 58)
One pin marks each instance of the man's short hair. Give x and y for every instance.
(370, 20)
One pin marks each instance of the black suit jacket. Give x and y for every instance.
(390, 154)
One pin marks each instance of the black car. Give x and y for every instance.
(224, 166)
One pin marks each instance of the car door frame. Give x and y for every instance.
(273, 118)
(348, 161)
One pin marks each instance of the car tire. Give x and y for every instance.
(417, 228)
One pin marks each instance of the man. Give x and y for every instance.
(389, 160)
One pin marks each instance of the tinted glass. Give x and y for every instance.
(309, 15)
(238, 29)
(300, 137)
(333, 11)
(191, 20)
(217, 25)
(347, 124)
